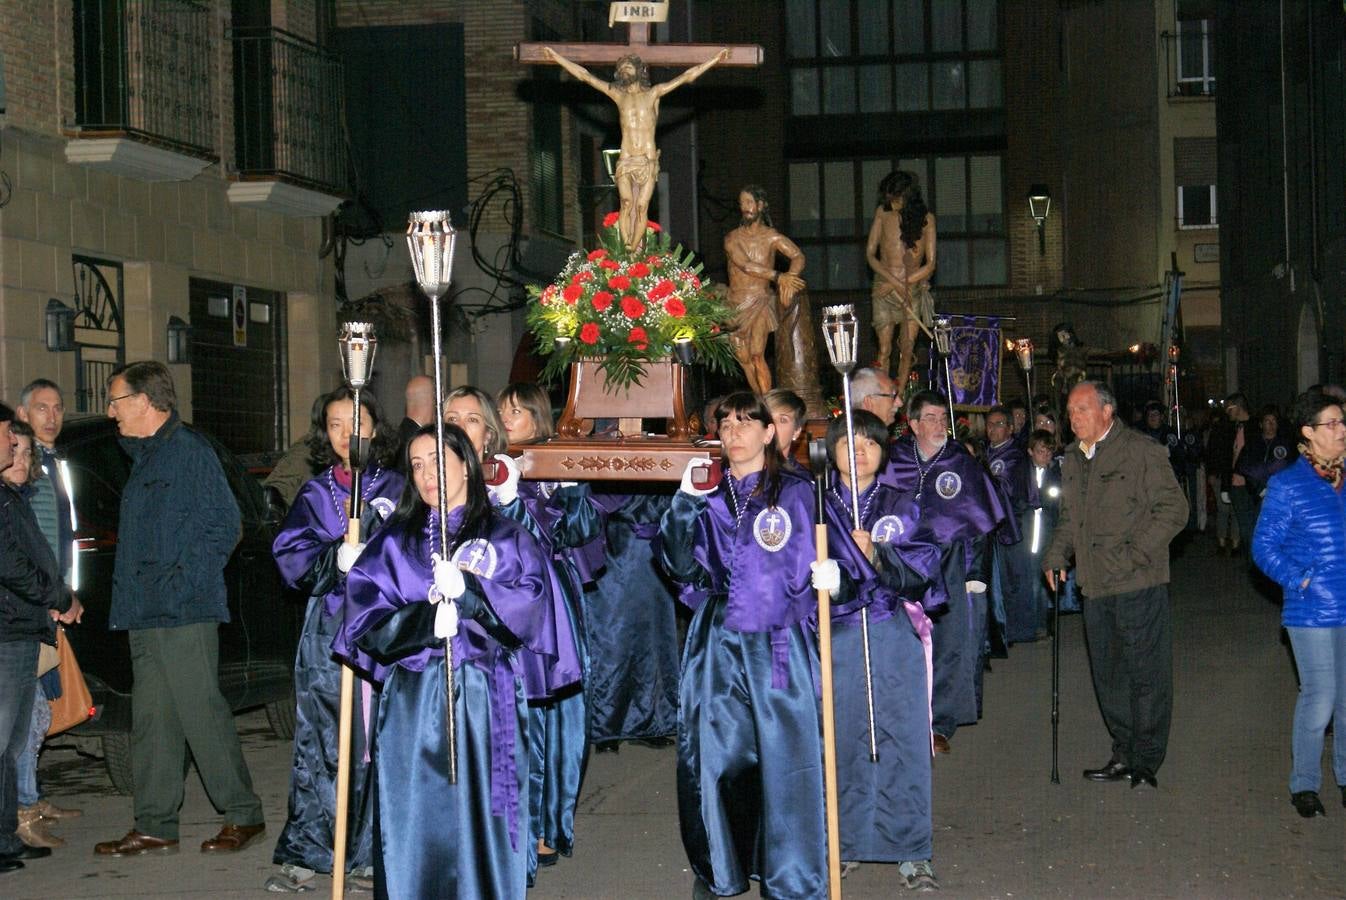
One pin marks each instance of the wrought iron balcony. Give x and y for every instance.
(142, 70)
(288, 111)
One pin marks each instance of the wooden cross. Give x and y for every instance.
(638, 44)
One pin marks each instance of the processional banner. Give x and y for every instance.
(974, 363)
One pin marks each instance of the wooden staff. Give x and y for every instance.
(818, 457)
(344, 724)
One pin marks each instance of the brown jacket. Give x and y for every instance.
(1118, 513)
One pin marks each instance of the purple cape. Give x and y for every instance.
(958, 498)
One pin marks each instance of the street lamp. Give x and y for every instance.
(1039, 207)
(179, 341)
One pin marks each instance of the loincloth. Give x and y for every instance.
(640, 169)
(754, 320)
(889, 310)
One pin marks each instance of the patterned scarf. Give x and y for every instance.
(1330, 470)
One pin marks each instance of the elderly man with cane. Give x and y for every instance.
(1120, 508)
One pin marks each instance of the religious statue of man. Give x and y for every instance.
(751, 251)
(638, 107)
(901, 251)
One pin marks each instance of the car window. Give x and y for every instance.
(98, 472)
(247, 491)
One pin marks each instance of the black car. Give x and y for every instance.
(257, 646)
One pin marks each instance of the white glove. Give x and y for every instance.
(448, 577)
(446, 620)
(687, 487)
(566, 484)
(507, 491)
(975, 587)
(347, 554)
(826, 575)
(1224, 496)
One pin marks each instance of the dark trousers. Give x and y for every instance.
(1245, 513)
(18, 676)
(1130, 640)
(176, 704)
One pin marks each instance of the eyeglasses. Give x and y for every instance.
(1331, 424)
(934, 419)
(112, 401)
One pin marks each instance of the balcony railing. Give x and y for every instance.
(1189, 59)
(288, 111)
(142, 69)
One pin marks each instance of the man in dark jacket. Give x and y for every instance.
(30, 589)
(178, 525)
(1120, 508)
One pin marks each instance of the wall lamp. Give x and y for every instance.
(1039, 207)
(60, 321)
(179, 341)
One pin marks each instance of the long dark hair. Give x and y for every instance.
(382, 449)
(911, 220)
(747, 405)
(867, 425)
(527, 395)
(413, 513)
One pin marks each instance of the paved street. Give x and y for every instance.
(1220, 825)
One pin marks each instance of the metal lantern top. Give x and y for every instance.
(943, 329)
(1023, 349)
(430, 238)
(358, 344)
(841, 335)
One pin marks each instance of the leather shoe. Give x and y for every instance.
(942, 744)
(1115, 770)
(1143, 778)
(26, 853)
(135, 844)
(10, 865)
(1307, 804)
(232, 838)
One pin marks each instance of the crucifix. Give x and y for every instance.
(637, 100)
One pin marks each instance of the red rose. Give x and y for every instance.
(632, 308)
(610, 264)
(696, 282)
(548, 294)
(653, 260)
(619, 282)
(589, 333)
(661, 290)
(610, 219)
(653, 226)
(572, 293)
(637, 336)
(639, 270)
(582, 276)
(602, 300)
(675, 308)
(595, 255)
(715, 329)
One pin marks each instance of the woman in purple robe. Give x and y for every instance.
(493, 600)
(312, 556)
(750, 780)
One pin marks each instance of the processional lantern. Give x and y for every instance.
(944, 346)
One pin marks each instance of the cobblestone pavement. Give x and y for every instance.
(1220, 825)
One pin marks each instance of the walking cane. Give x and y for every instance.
(943, 332)
(358, 345)
(1056, 672)
(430, 239)
(841, 335)
(818, 460)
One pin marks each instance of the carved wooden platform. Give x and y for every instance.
(650, 458)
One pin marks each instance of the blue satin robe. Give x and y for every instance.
(1013, 590)
(633, 638)
(305, 552)
(563, 520)
(750, 790)
(884, 806)
(961, 507)
(470, 839)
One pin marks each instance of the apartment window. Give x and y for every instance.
(878, 56)
(1194, 177)
(832, 202)
(1196, 57)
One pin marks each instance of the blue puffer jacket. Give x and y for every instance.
(1301, 534)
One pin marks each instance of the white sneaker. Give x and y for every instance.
(292, 879)
(919, 875)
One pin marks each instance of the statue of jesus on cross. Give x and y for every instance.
(638, 106)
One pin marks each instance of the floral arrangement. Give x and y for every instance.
(628, 309)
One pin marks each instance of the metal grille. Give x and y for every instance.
(142, 67)
(288, 109)
(99, 341)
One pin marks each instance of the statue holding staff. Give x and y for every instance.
(638, 107)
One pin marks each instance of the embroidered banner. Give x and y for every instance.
(974, 363)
